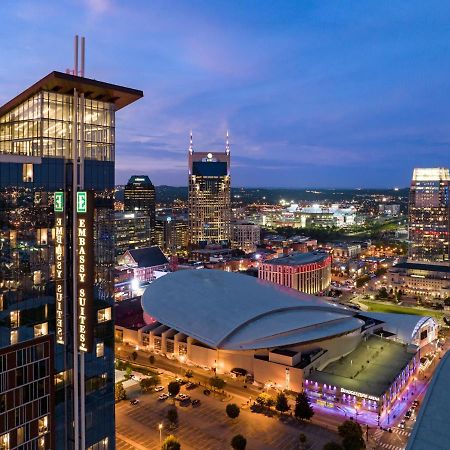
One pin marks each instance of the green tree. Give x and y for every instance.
(232, 410)
(173, 388)
(171, 443)
(217, 383)
(332, 446)
(128, 372)
(282, 404)
(119, 392)
(352, 435)
(303, 409)
(382, 293)
(302, 439)
(151, 359)
(447, 301)
(189, 373)
(134, 356)
(238, 442)
(264, 399)
(172, 416)
(146, 384)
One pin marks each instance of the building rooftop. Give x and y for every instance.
(370, 368)
(234, 311)
(431, 430)
(422, 266)
(148, 256)
(129, 314)
(64, 83)
(298, 258)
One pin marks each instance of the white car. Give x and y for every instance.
(163, 396)
(159, 388)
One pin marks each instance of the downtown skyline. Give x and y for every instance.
(313, 95)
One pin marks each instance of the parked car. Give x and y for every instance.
(402, 424)
(196, 402)
(159, 388)
(134, 401)
(207, 392)
(191, 385)
(163, 396)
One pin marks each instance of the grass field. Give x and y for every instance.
(398, 309)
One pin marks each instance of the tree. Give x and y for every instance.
(119, 392)
(172, 416)
(447, 301)
(332, 446)
(134, 356)
(151, 359)
(171, 443)
(352, 435)
(173, 388)
(238, 442)
(265, 399)
(217, 383)
(282, 404)
(146, 384)
(303, 409)
(382, 293)
(128, 372)
(189, 373)
(302, 439)
(232, 410)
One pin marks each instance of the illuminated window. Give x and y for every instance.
(14, 317)
(4, 442)
(14, 336)
(2, 305)
(37, 277)
(27, 173)
(41, 329)
(41, 443)
(43, 425)
(103, 315)
(20, 435)
(100, 349)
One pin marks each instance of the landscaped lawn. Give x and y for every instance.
(398, 309)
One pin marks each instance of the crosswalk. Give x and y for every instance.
(378, 434)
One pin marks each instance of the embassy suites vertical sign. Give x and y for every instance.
(85, 269)
(60, 266)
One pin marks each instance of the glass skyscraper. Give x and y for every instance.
(429, 215)
(37, 137)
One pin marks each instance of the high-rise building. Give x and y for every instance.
(172, 233)
(245, 236)
(429, 215)
(139, 195)
(209, 199)
(131, 231)
(57, 354)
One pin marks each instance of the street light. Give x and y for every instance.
(160, 426)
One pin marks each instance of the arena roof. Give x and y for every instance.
(234, 311)
(298, 258)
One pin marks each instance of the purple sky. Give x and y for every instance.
(314, 93)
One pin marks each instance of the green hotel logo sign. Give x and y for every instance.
(81, 202)
(59, 202)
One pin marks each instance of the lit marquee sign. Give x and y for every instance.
(360, 394)
(85, 269)
(60, 267)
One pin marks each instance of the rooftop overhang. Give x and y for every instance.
(64, 83)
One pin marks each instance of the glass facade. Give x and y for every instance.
(41, 127)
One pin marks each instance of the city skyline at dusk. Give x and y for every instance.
(314, 95)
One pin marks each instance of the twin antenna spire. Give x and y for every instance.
(78, 69)
(227, 144)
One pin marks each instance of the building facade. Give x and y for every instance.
(139, 195)
(132, 230)
(245, 236)
(37, 143)
(209, 199)
(429, 215)
(172, 234)
(305, 272)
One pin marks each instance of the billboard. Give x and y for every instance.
(85, 269)
(60, 267)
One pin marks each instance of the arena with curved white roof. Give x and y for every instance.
(233, 323)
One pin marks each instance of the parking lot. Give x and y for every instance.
(205, 426)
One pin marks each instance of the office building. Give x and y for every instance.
(209, 199)
(132, 230)
(57, 355)
(245, 236)
(139, 195)
(171, 234)
(305, 272)
(429, 215)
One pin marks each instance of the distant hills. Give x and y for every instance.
(167, 194)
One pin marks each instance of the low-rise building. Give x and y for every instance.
(245, 236)
(305, 272)
(431, 280)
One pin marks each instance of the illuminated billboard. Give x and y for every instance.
(60, 267)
